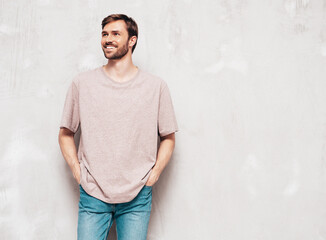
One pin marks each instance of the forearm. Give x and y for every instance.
(164, 154)
(68, 149)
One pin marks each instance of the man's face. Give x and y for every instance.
(115, 43)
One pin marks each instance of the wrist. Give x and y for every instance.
(75, 164)
(156, 170)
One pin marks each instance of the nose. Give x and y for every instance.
(108, 38)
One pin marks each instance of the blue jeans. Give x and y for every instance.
(95, 217)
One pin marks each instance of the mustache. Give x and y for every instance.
(110, 44)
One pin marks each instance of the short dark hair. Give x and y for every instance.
(132, 27)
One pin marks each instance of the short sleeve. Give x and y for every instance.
(70, 116)
(167, 122)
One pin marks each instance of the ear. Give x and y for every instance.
(132, 41)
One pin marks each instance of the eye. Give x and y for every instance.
(116, 34)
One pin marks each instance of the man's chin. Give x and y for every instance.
(108, 56)
(111, 57)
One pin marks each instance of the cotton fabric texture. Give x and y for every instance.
(119, 123)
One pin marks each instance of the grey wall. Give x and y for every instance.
(248, 83)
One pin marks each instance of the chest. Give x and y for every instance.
(120, 102)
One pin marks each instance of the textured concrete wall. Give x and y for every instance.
(248, 83)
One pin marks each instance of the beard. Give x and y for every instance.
(120, 53)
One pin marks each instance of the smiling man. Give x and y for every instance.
(121, 111)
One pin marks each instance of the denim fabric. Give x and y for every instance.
(95, 217)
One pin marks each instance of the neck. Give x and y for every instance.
(120, 68)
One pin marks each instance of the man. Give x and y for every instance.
(121, 110)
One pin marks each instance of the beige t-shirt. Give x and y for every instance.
(120, 123)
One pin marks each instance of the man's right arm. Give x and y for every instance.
(69, 152)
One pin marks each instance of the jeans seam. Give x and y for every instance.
(108, 229)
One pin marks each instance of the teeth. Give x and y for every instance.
(109, 47)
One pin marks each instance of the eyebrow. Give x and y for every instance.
(111, 31)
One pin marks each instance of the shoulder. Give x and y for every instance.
(154, 79)
(84, 75)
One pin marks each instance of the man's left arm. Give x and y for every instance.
(163, 157)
